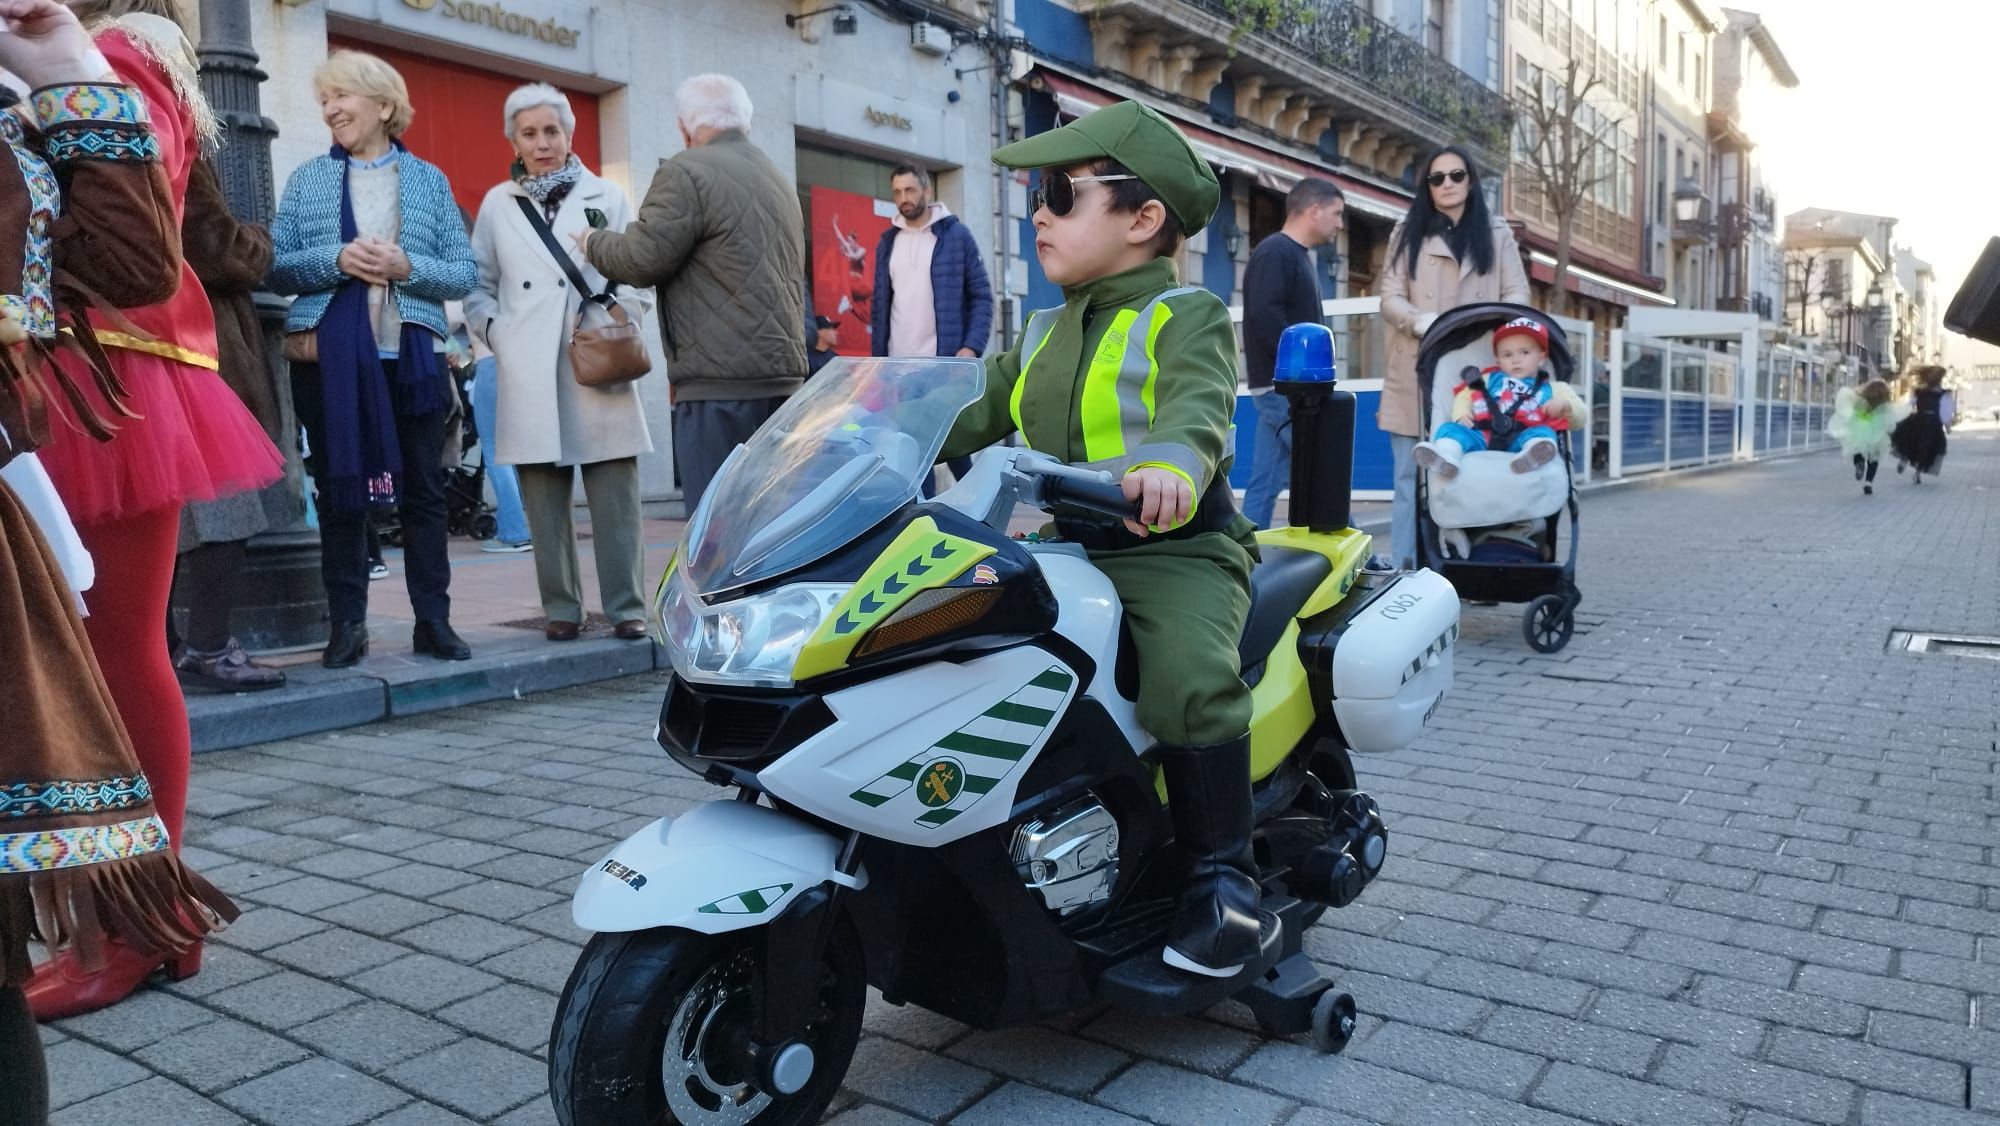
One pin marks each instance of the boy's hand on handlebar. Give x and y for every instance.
(1164, 498)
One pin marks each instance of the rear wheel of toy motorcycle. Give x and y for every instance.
(645, 1027)
(1333, 1021)
(1548, 623)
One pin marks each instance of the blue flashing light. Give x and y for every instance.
(1305, 354)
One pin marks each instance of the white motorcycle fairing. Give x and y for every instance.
(932, 754)
(720, 867)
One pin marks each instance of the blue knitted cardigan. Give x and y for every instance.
(305, 242)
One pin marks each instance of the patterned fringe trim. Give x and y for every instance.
(64, 796)
(152, 903)
(94, 122)
(48, 850)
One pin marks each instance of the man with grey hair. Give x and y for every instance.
(721, 237)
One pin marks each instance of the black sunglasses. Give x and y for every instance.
(1437, 179)
(1057, 191)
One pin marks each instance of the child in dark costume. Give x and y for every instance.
(1919, 439)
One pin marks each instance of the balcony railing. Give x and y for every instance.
(1345, 39)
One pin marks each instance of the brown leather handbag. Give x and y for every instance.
(605, 345)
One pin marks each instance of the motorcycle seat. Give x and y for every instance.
(1280, 585)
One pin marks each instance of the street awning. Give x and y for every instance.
(1270, 169)
(1590, 283)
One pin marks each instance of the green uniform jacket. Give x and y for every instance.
(1159, 392)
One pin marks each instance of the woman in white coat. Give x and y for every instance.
(548, 426)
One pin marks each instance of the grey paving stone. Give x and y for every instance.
(1578, 1042)
(218, 1055)
(309, 893)
(374, 1035)
(381, 914)
(1986, 1089)
(1017, 1105)
(1783, 1006)
(1374, 955)
(1157, 1093)
(473, 1077)
(314, 1092)
(1519, 987)
(153, 1100)
(498, 899)
(1478, 942)
(221, 968)
(260, 928)
(1880, 1108)
(423, 982)
(1450, 1059)
(511, 1014)
(1937, 1001)
(1201, 1045)
(422, 1114)
(1604, 1097)
(1615, 971)
(1562, 926)
(868, 1114)
(418, 881)
(1411, 1003)
(1715, 958)
(335, 953)
(1441, 1104)
(137, 1021)
(283, 1000)
(1815, 1098)
(1896, 933)
(1928, 1037)
(1674, 1020)
(1872, 1067)
(79, 1071)
(1336, 1083)
(1042, 1057)
(345, 863)
(544, 963)
(464, 938)
(1806, 946)
(915, 1082)
(537, 1112)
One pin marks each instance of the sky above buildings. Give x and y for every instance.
(1891, 118)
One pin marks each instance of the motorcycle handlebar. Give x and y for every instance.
(1101, 497)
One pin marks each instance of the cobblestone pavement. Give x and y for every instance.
(1723, 862)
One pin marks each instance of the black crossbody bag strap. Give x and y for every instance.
(567, 263)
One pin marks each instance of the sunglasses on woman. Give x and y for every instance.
(1437, 179)
(1057, 191)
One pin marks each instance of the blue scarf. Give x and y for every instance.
(363, 461)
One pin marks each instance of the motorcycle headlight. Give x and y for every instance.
(753, 640)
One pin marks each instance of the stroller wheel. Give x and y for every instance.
(485, 526)
(1548, 623)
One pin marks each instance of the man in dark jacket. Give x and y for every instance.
(1281, 288)
(932, 296)
(721, 236)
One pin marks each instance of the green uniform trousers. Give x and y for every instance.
(1186, 601)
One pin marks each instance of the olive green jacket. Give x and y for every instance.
(1186, 404)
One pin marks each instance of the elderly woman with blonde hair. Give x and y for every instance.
(370, 240)
(547, 425)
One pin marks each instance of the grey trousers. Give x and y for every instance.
(611, 488)
(1403, 509)
(704, 433)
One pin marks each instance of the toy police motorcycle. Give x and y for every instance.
(941, 787)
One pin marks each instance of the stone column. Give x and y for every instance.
(282, 603)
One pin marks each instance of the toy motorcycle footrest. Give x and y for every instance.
(1143, 983)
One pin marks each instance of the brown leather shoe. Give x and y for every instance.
(631, 629)
(560, 631)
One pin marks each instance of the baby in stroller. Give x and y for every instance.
(1513, 405)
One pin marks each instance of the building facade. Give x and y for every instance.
(1842, 287)
(839, 102)
(1750, 71)
(1680, 175)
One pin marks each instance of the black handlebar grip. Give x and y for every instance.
(1108, 499)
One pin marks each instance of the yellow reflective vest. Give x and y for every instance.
(1131, 370)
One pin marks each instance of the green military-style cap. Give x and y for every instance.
(1137, 137)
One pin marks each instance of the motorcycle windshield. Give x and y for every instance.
(850, 448)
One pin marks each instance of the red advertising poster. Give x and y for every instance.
(845, 230)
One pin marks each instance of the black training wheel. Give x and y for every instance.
(1333, 1021)
(1547, 624)
(485, 526)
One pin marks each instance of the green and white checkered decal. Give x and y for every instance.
(756, 901)
(965, 765)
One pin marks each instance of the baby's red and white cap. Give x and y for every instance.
(1523, 326)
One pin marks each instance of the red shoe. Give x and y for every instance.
(60, 988)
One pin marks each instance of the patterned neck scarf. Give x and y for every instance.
(549, 188)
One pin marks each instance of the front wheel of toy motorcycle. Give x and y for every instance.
(652, 1026)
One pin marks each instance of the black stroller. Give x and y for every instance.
(1499, 567)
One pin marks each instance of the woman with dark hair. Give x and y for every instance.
(1919, 438)
(1448, 251)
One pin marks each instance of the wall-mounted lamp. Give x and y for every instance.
(845, 22)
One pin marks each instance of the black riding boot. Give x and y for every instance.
(1208, 793)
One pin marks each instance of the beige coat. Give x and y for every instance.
(523, 309)
(1441, 283)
